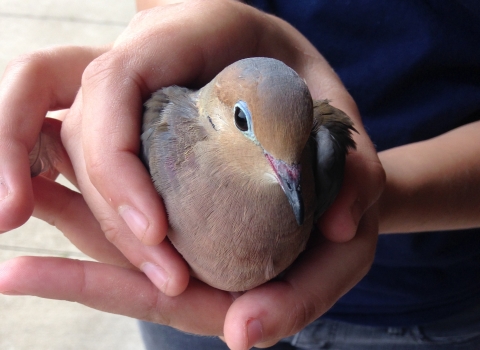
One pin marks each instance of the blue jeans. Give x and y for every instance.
(457, 332)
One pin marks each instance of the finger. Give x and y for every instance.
(48, 157)
(66, 210)
(116, 84)
(363, 183)
(364, 177)
(160, 262)
(147, 4)
(116, 290)
(31, 85)
(321, 276)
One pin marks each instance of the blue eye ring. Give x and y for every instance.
(243, 120)
(242, 116)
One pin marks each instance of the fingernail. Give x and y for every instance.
(254, 332)
(136, 221)
(3, 189)
(157, 275)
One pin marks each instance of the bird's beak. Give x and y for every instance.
(288, 176)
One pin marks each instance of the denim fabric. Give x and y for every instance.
(158, 337)
(459, 332)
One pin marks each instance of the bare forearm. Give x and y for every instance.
(433, 185)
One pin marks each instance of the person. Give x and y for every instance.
(407, 87)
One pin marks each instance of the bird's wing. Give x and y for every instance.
(170, 130)
(153, 119)
(168, 113)
(332, 139)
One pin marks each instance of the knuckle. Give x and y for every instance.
(111, 230)
(33, 65)
(374, 184)
(95, 166)
(303, 313)
(139, 18)
(380, 175)
(306, 310)
(377, 173)
(157, 312)
(82, 277)
(102, 69)
(71, 126)
(378, 181)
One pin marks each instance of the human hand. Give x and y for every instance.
(29, 88)
(139, 65)
(128, 292)
(130, 80)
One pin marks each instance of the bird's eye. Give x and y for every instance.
(243, 120)
(240, 119)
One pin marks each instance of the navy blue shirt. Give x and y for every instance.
(413, 67)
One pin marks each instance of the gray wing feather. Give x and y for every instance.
(170, 129)
(152, 118)
(332, 139)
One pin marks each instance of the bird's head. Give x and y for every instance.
(269, 105)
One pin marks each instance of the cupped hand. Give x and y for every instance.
(156, 50)
(31, 86)
(261, 316)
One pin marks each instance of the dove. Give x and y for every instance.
(245, 166)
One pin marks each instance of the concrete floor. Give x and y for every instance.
(28, 322)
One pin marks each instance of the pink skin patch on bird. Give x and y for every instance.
(284, 170)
